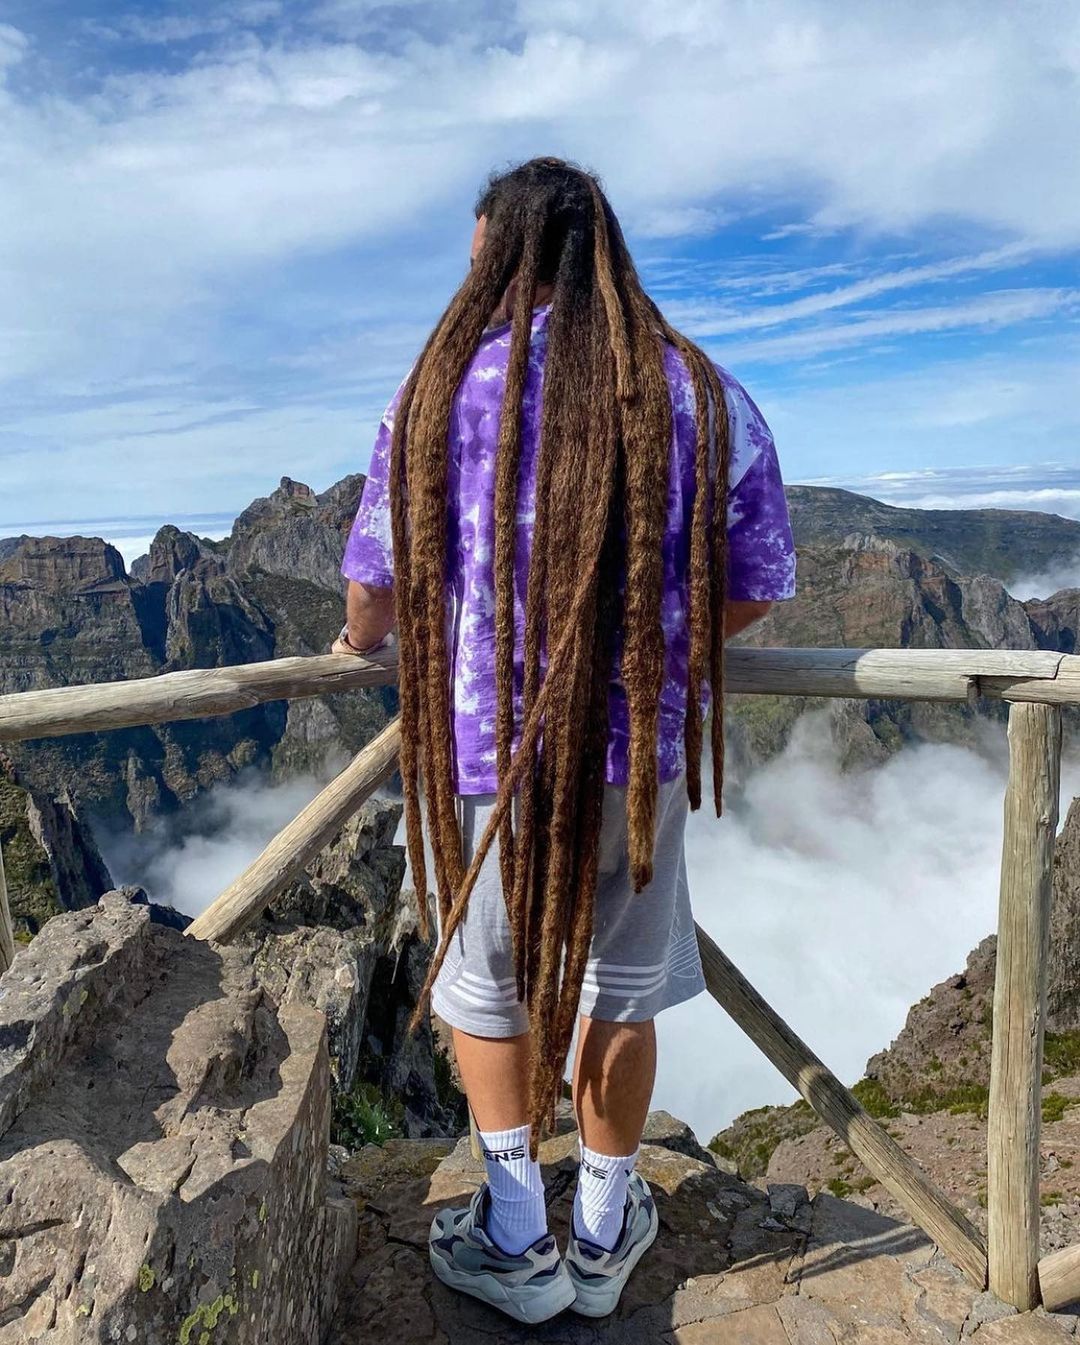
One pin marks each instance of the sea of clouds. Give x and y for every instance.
(843, 898)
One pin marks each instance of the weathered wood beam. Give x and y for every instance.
(880, 674)
(906, 674)
(1023, 939)
(876, 1149)
(194, 693)
(244, 900)
(1059, 1278)
(7, 932)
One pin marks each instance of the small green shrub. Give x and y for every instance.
(1055, 1105)
(1061, 1053)
(363, 1116)
(874, 1099)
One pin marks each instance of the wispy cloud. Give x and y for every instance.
(992, 311)
(719, 320)
(237, 171)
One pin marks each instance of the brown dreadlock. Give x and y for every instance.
(595, 576)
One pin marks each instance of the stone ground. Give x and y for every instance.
(951, 1149)
(734, 1264)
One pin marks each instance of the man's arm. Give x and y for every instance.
(369, 618)
(739, 614)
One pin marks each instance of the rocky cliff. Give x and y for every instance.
(860, 590)
(1003, 543)
(51, 860)
(70, 613)
(344, 938)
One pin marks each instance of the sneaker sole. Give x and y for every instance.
(600, 1301)
(525, 1303)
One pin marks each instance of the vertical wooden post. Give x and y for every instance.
(7, 935)
(1031, 810)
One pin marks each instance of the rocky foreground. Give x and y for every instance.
(734, 1264)
(164, 1135)
(166, 1175)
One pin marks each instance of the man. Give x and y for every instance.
(565, 531)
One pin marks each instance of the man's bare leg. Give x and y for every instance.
(614, 1072)
(613, 1081)
(495, 1073)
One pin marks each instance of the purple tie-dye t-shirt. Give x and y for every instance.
(761, 562)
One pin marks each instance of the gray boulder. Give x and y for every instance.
(164, 1139)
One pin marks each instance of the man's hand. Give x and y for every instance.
(369, 618)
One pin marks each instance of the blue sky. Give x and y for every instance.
(226, 228)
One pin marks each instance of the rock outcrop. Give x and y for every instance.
(734, 1264)
(163, 1141)
(1003, 543)
(345, 939)
(51, 861)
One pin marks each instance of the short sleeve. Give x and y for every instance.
(761, 549)
(369, 552)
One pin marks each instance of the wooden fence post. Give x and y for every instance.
(7, 935)
(1015, 1112)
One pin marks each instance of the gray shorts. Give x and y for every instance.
(644, 954)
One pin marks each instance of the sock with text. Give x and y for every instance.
(518, 1216)
(600, 1200)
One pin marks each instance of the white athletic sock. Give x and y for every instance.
(600, 1200)
(518, 1216)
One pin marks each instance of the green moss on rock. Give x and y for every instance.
(32, 893)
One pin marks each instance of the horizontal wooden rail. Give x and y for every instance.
(297, 844)
(878, 674)
(907, 674)
(195, 693)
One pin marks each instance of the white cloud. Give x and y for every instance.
(716, 320)
(824, 890)
(144, 221)
(188, 861)
(988, 312)
(680, 221)
(1041, 583)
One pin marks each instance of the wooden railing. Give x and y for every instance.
(1035, 684)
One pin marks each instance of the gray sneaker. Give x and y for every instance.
(530, 1287)
(599, 1276)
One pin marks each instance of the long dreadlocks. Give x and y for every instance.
(595, 578)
